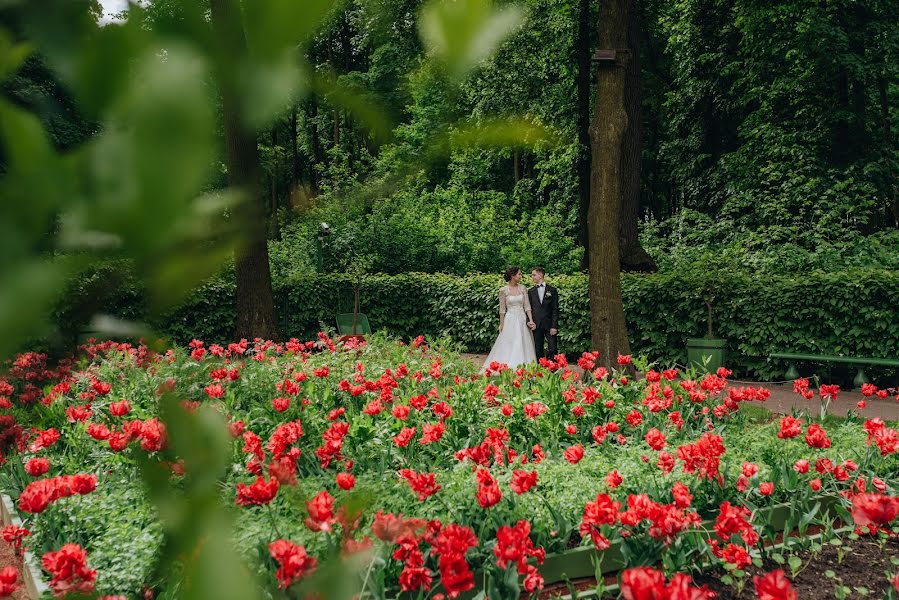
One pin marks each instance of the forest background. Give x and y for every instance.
(764, 146)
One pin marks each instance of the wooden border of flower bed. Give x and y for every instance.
(35, 585)
(578, 562)
(590, 594)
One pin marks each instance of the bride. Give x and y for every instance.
(515, 344)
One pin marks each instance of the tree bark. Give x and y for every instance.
(884, 110)
(274, 226)
(294, 147)
(316, 145)
(254, 298)
(842, 133)
(335, 134)
(633, 256)
(583, 48)
(610, 121)
(888, 144)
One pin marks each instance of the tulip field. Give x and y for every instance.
(432, 480)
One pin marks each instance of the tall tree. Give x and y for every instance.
(633, 256)
(893, 209)
(583, 49)
(607, 133)
(255, 303)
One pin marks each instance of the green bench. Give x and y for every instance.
(860, 377)
(345, 324)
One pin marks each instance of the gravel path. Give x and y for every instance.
(8, 557)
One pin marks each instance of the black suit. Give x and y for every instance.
(546, 317)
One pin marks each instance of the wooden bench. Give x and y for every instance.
(860, 377)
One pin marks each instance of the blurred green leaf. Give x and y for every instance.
(27, 291)
(198, 554)
(336, 579)
(363, 107)
(276, 27)
(12, 55)
(268, 88)
(110, 327)
(462, 33)
(34, 182)
(143, 175)
(502, 134)
(171, 279)
(105, 63)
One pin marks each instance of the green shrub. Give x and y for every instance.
(849, 313)
(448, 229)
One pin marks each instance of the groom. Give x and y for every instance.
(545, 310)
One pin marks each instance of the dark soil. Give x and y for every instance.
(557, 590)
(864, 566)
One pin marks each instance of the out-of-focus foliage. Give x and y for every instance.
(109, 147)
(110, 130)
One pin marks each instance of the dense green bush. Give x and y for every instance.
(445, 230)
(849, 313)
(691, 237)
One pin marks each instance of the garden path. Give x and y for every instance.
(783, 400)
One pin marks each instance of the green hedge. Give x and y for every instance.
(850, 313)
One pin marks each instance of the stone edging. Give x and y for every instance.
(32, 576)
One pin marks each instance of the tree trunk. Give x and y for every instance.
(355, 308)
(583, 127)
(255, 304)
(316, 145)
(842, 136)
(274, 225)
(516, 165)
(888, 144)
(335, 130)
(884, 110)
(633, 256)
(335, 134)
(294, 147)
(608, 328)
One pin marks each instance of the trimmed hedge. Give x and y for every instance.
(849, 313)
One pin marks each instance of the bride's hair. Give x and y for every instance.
(510, 273)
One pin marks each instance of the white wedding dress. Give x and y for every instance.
(515, 344)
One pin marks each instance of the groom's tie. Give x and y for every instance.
(540, 288)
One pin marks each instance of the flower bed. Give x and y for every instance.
(440, 479)
(849, 566)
